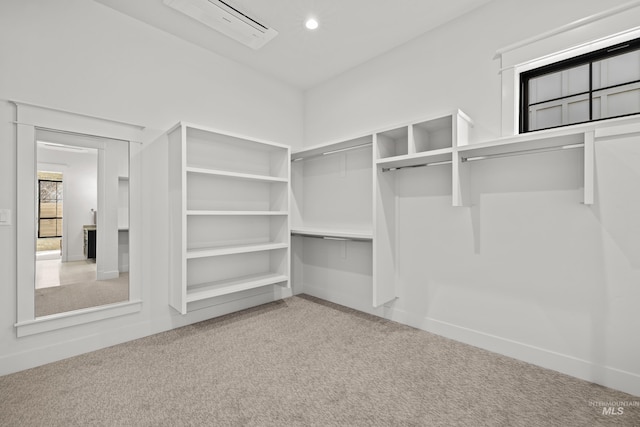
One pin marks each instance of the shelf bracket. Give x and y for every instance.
(589, 167)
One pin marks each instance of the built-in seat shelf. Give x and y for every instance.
(233, 249)
(251, 177)
(332, 234)
(224, 287)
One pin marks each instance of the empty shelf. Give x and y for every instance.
(524, 142)
(424, 157)
(247, 176)
(224, 287)
(231, 250)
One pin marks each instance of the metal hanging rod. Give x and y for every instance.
(489, 156)
(340, 150)
(521, 152)
(444, 162)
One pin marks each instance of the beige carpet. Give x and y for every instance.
(301, 362)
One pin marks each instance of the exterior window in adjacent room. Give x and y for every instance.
(49, 208)
(595, 86)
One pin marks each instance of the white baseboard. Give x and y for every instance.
(50, 353)
(628, 382)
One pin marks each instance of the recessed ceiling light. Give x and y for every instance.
(311, 24)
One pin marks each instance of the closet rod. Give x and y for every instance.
(421, 165)
(340, 150)
(521, 152)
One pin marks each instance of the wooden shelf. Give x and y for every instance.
(225, 287)
(251, 177)
(236, 213)
(232, 250)
(333, 233)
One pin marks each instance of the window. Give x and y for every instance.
(50, 208)
(598, 85)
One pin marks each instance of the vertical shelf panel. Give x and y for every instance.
(178, 220)
(384, 240)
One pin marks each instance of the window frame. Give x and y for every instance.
(40, 217)
(584, 59)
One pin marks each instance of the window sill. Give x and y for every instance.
(598, 126)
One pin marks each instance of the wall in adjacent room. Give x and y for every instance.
(528, 270)
(83, 57)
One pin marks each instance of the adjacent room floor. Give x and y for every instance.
(67, 286)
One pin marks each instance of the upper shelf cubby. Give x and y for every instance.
(432, 134)
(428, 141)
(393, 142)
(212, 152)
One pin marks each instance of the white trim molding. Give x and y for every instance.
(30, 120)
(618, 379)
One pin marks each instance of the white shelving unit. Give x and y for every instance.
(332, 221)
(428, 142)
(229, 214)
(345, 218)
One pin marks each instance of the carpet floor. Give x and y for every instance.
(302, 362)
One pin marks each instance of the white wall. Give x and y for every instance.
(80, 56)
(450, 67)
(80, 178)
(528, 271)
